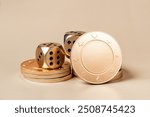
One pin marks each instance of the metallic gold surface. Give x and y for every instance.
(53, 76)
(119, 75)
(50, 55)
(32, 72)
(31, 67)
(47, 80)
(69, 39)
(96, 57)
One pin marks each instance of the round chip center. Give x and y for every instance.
(97, 56)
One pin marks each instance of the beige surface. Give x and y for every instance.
(26, 23)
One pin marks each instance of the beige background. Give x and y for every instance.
(26, 23)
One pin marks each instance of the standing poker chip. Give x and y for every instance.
(96, 57)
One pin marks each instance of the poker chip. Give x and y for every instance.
(31, 71)
(96, 57)
(47, 80)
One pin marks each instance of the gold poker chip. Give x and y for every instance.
(96, 57)
(48, 80)
(31, 67)
(119, 75)
(46, 76)
(31, 71)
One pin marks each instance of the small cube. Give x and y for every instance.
(50, 55)
(69, 39)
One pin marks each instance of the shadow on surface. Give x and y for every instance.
(127, 75)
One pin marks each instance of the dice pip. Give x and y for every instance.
(69, 39)
(50, 55)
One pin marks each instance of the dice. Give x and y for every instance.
(50, 55)
(69, 39)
